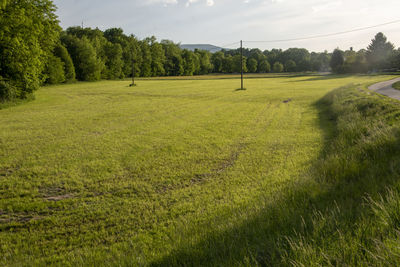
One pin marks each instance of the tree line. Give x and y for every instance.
(34, 50)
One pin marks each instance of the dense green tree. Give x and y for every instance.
(264, 66)
(300, 56)
(174, 62)
(252, 65)
(28, 32)
(189, 65)
(290, 66)
(69, 70)
(278, 67)
(396, 59)
(273, 55)
(157, 58)
(145, 69)
(227, 64)
(97, 41)
(349, 61)
(217, 60)
(205, 61)
(237, 65)
(54, 71)
(360, 63)
(130, 50)
(337, 61)
(320, 61)
(88, 66)
(114, 63)
(196, 64)
(379, 52)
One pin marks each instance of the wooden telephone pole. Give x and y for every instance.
(133, 73)
(241, 64)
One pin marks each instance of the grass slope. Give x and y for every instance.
(396, 85)
(192, 172)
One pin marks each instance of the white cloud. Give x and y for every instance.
(165, 2)
(190, 2)
(327, 6)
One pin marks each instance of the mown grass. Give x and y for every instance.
(193, 172)
(396, 85)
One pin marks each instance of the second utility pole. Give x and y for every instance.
(241, 63)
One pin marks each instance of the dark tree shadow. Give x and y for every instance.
(325, 77)
(290, 216)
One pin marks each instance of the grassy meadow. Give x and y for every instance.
(295, 170)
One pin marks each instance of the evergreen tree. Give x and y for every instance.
(379, 52)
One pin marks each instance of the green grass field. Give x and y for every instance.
(292, 171)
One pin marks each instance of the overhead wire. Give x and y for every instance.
(325, 35)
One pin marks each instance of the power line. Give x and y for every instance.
(326, 35)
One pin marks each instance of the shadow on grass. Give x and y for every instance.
(307, 222)
(229, 76)
(324, 77)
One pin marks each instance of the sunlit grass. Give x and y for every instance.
(169, 172)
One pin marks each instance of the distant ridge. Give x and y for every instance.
(208, 47)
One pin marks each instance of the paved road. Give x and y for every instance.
(385, 88)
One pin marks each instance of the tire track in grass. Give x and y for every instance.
(225, 163)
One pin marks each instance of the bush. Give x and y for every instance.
(7, 90)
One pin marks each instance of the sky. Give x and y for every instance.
(222, 22)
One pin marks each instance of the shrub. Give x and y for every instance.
(7, 90)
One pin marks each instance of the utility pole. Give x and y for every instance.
(241, 63)
(133, 73)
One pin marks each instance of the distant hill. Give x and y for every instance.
(208, 47)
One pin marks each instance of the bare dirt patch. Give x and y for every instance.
(59, 198)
